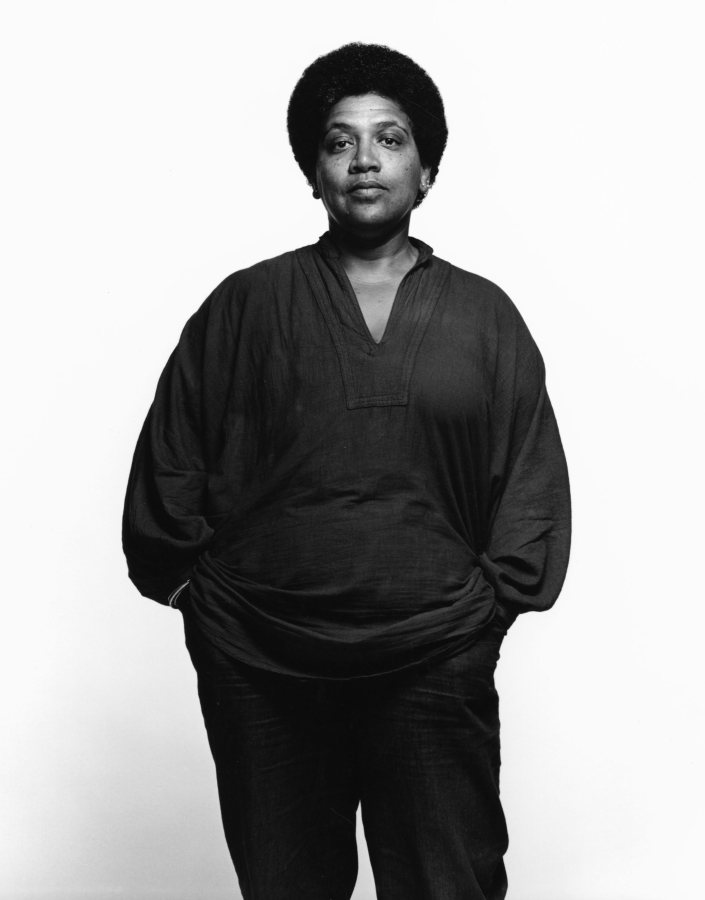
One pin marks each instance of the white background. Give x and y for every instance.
(144, 158)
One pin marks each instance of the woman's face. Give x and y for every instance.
(368, 172)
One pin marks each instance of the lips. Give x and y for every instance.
(366, 186)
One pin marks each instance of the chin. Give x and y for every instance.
(374, 222)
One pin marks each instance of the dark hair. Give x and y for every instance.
(356, 69)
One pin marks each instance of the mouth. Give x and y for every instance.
(362, 187)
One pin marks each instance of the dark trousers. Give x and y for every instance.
(419, 751)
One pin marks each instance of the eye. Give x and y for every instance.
(389, 140)
(338, 145)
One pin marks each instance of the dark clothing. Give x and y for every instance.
(360, 523)
(419, 750)
(345, 508)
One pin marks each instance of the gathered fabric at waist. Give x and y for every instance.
(312, 633)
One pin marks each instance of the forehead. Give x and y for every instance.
(366, 108)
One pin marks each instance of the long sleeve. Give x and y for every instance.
(165, 521)
(528, 543)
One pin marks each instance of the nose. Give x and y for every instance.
(366, 158)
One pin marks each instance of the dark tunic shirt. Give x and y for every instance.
(345, 508)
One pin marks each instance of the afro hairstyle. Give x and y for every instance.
(354, 70)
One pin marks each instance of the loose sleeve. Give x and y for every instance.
(165, 521)
(528, 541)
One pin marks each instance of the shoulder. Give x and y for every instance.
(478, 295)
(482, 306)
(246, 289)
(257, 276)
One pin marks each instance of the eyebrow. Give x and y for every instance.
(345, 126)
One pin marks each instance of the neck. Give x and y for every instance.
(376, 252)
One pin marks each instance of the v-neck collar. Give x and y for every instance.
(374, 374)
(328, 249)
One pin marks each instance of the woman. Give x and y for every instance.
(351, 482)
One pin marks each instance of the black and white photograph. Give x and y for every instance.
(353, 451)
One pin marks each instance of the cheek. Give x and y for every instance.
(328, 179)
(412, 177)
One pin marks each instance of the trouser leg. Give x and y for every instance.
(286, 783)
(429, 778)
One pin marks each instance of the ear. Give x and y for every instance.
(425, 180)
